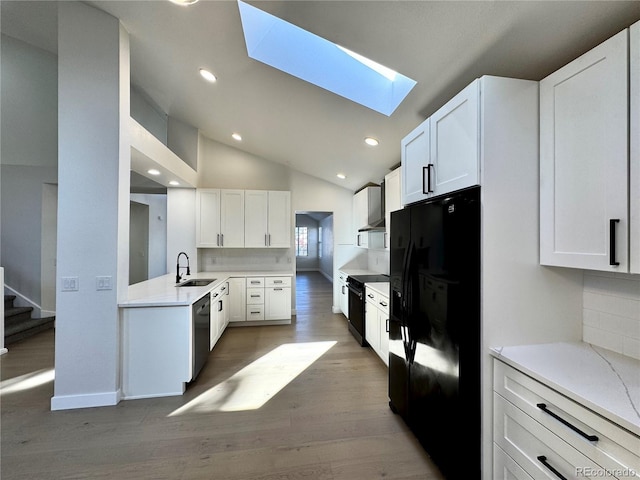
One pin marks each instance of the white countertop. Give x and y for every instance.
(604, 381)
(162, 291)
(355, 271)
(381, 288)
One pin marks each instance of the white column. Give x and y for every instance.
(93, 204)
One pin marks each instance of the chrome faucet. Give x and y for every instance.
(178, 267)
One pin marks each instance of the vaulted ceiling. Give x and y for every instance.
(443, 45)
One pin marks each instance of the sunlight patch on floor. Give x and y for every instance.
(26, 381)
(258, 382)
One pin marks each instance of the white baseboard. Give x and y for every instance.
(48, 313)
(3, 351)
(70, 402)
(335, 309)
(294, 312)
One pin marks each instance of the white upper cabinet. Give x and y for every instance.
(392, 199)
(255, 217)
(584, 160)
(232, 218)
(279, 220)
(443, 153)
(208, 218)
(415, 161)
(455, 142)
(243, 218)
(267, 219)
(634, 145)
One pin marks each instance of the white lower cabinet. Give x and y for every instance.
(219, 313)
(377, 324)
(237, 299)
(277, 298)
(268, 298)
(550, 436)
(344, 293)
(505, 467)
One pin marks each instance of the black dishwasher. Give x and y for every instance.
(201, 318)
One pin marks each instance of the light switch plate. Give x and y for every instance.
(70, 284)
(104, 283)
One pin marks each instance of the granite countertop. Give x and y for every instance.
(382, 288)
(604, 381)
(162, 291)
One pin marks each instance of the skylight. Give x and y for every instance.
(309, 57)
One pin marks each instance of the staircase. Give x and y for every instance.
(18, 323)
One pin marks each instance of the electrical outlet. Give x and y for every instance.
(104, 283)
(70, 284)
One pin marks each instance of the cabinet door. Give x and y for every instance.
(634, 144)
(583, 161)
(392, 200)
(208, 218)
(415, 164)
(455, 142)
(383, 323)
(214, 327)
(237, 299)
(256, 208)
(277, 303)
(279, 220)
(232, 218)
(371, 326)
(225, 306)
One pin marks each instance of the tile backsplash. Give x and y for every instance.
(611, 312)
(245, 259)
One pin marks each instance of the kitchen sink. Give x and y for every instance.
(200, 282)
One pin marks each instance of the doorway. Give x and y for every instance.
(314, 243)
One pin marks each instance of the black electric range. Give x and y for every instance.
(357, 303)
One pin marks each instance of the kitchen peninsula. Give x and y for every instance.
(159, 343)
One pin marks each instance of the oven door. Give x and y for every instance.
(356, 314)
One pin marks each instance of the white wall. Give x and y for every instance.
(326, 261)
(181, 226)
(157, 231)
(28, 153)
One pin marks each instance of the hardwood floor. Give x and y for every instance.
(330, 422)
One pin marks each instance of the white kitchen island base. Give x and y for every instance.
(156, 351)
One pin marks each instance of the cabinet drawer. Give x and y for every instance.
(255, 296)
(536, 449)
(371, 297)
(616, 449)
(383, 304)
(278, 281)
(255, 282)
(505, 467)
(255, 312)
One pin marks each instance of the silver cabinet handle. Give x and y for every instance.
(218, 240)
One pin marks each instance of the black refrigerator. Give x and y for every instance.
(434, 328)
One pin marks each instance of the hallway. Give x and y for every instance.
(329, 420)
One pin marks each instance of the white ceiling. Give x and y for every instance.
(443, 45)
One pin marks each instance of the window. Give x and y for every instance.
(302, 236)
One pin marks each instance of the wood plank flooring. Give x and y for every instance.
(330, 422)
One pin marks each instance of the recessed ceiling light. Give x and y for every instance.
(174, 183)
(341, 176)
(237, 136)
(183, 3)
(207, 75)
(153, 171)
(371, 141)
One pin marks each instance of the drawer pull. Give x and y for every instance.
(543, 407)
(384, 304)
(370, 295)
(255, 296)
(543, 460)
